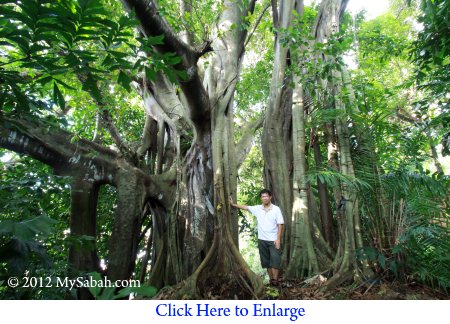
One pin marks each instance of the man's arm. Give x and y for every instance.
(237, 205)
(279, 234)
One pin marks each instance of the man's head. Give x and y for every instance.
(265, 196)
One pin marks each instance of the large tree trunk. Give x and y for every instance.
(209, 227)
(224, 263)
(83, 221)
(196, 193)
(83, 195)
(346, 264)
(165, 266)
(310, 253)
(303, 257)
(125, 231)
(276, 150)
(198, 218)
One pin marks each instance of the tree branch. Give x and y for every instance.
(172, 104)
(162, 106)
(186, 7)
(81, 158)
(56, 148)
(405, 116)
(276, 23)
(121, 144)
(256, 25)
(152, 24)
(113, 131)
(248, 11)
(245, 143)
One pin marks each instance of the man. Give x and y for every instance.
(270, 228)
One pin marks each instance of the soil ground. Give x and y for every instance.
(313, 289)
(292, 290)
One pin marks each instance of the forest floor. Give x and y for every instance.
(291, 290)
(313, 289)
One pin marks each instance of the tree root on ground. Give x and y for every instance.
(223, 274)
(221, 286)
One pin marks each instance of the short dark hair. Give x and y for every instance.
(265, 191)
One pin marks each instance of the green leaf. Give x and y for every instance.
(28, 229)
(90, 85)
(118, 55)
(155, 40)
(21, 42)
(95, 290)
(182, 75)
(108, 61)
(393, 266)
(45, 80)
(172, 59)
(65, 85)
(150, 73)
(58, 96)
(81, 242)
(382, 260)
(171, 75)
(72, 60)
(124, 80)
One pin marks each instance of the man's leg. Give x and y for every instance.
(274, 273)
(275, 263)
(264, 254)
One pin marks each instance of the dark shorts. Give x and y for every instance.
(270, 256)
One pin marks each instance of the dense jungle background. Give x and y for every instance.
(125, 126)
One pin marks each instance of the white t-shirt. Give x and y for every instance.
(268, 221)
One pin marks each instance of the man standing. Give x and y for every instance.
(270, 228)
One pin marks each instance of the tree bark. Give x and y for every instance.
(276, 149)
(326, 215)
(223, 263)
(303, 257)
(198, 218)
(83, 222)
